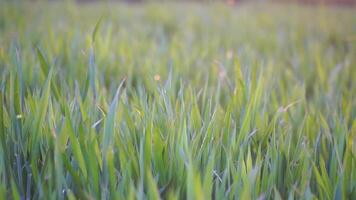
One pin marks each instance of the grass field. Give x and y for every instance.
(177, 101)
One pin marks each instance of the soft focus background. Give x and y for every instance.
(330, 2)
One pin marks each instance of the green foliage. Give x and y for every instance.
(177, 101)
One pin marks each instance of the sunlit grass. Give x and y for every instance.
(178, 101)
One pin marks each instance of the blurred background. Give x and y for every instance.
(230, 2)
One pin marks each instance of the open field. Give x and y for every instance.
(177, 101)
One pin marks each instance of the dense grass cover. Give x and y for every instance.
(106, 101)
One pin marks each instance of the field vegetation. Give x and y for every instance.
(177, 101)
